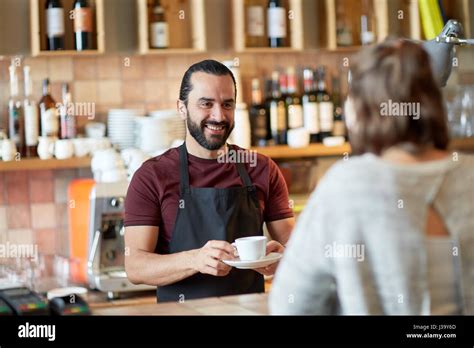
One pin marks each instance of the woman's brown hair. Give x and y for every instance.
(396, 74)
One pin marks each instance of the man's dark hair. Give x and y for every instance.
(209, 66)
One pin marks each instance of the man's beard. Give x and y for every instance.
(215, 141)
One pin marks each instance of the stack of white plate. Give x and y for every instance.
(159, 131)
(121, 127)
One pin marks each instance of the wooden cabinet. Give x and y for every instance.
(186, 21)
(38, 29)
(216, 25)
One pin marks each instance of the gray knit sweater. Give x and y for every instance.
(359, 247)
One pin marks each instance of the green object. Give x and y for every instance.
(431, 18)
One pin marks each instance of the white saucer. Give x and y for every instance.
(263, 262)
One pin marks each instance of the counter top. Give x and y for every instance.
(249, 304)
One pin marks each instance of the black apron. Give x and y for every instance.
(213, 214)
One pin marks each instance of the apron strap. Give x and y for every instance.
(183, 169)
(244, 175)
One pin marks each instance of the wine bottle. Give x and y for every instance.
(339, 122)
(31, 116)
(325, 105)
(159, 30)
(293, 101)
(48, 113)
(277, 112)
(258, 116)
(16, 125)
(54, 25)
(367, 23)
(310, 106)
(67, 121)
(276, 23)
(255, 25)
(82, 25)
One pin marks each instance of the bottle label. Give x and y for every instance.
(339, 128)
(55, 22)
(295, 116)
(311, 117)
(83, 20)
(31, 125)
(326, 116)
(277, 117)
(50, 122)
(159, 34)
(276, 22)
(255, 21)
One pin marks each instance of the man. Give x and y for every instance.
(185, 207)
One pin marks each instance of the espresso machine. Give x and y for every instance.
(106, 257)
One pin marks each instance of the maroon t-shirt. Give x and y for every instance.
(153, 195)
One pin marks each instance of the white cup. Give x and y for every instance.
(251, 248)
(81, 147)
(95, 130)
(104, 160)
(46, 147)
(8, 150)
(98, 144)
(63, 149)
(298, 137)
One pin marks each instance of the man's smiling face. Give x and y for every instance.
(210, 109)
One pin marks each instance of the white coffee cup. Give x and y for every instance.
(298, 137)
(81, 147)
(98, 144)
(46, 147)
(251, 248)
(104, 160)
(63, 149)
(8, 149)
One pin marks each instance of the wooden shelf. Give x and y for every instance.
(275, 152)
(313, 150)
(38, 23)
(319, 150)
(39, 164)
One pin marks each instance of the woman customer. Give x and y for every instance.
(391, 229)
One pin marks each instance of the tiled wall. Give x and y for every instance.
(148, 83)
(33, 208)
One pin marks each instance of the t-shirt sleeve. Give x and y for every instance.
(142, 203)
(277, 206)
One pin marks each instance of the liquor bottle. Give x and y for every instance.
(258, 116)
(159, 30)
(67, 121)
(310, 106)
(277, 112)
(48, 113)
(367, 23)
(339, 122)
(31, 116)
(276, 23)
(82, 25)
(325, 105)
(293, 101)
(54, 25)
(16, 121)
(343, 26)
(255, 25)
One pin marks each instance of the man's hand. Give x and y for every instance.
(207, 260)
(272, 247)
